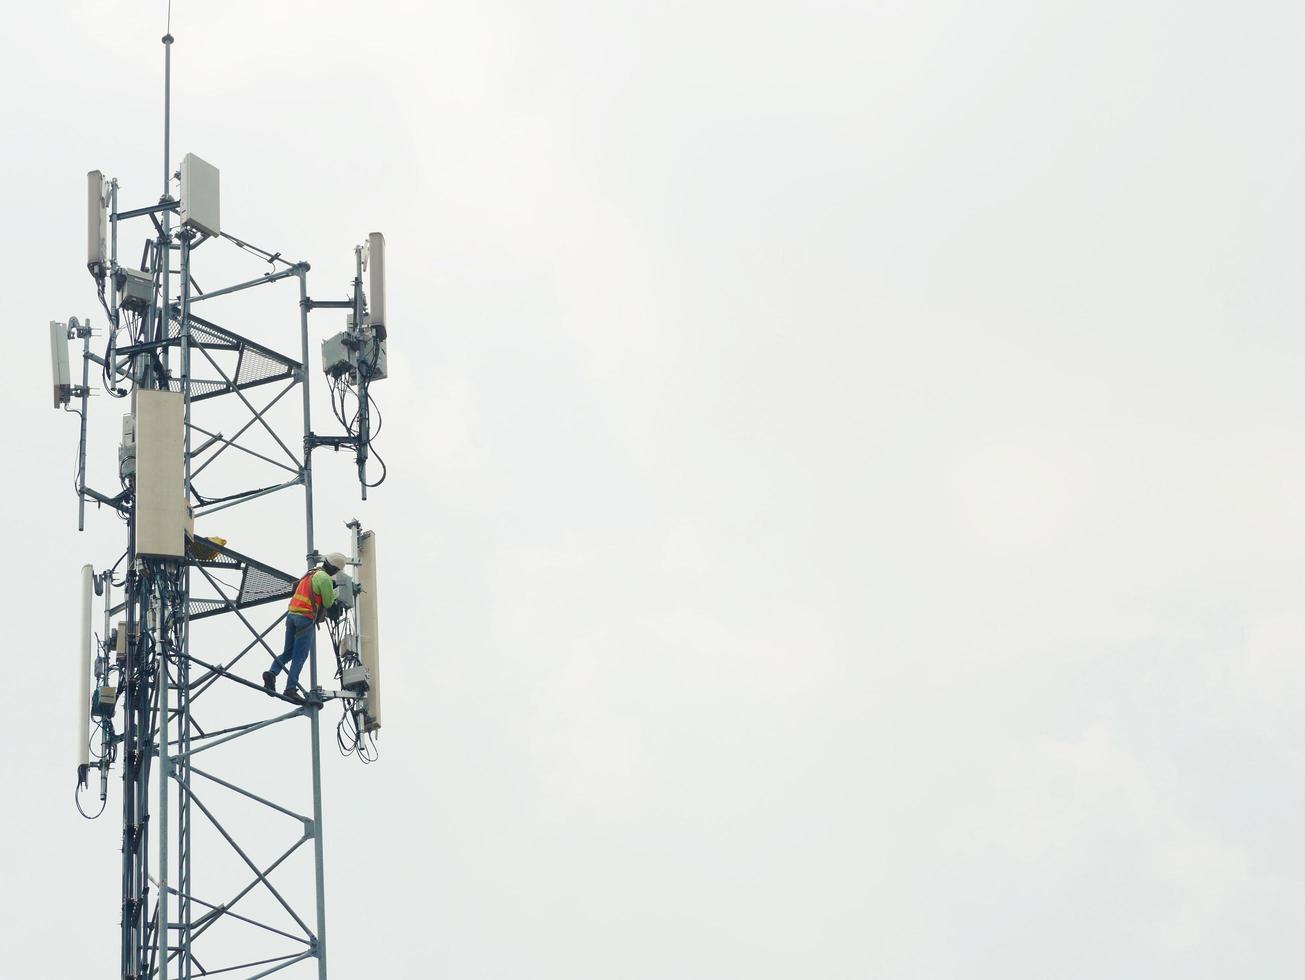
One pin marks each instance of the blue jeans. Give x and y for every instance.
(298, 644)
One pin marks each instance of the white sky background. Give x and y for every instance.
(843, 516)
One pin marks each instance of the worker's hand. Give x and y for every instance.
(335, 611)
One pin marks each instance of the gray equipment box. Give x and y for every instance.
(135, 289)
(342, 354)
(103, 701)
(337, 359)
(354, 678)
(343, 589)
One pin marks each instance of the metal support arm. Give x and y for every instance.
(313, 441)
(165, 205)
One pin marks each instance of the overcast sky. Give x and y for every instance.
(843, 516)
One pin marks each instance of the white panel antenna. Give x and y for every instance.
(84, 681)
(160, 504)
(200, 204)
(368, 626)
(376, 283)
(59, 363)
(97, 222)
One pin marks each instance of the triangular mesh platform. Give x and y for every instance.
(199, 608)
(255, 364)
(259, 583)
(200, 389)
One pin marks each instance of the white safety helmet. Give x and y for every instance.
(336, 560)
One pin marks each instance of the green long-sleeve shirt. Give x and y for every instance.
(301, 603)
(324, 587)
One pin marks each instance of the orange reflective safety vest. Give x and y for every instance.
(306, 601)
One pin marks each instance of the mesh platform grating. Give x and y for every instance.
(200, 389)
(255, 365)
(199, 608)
(258, 585)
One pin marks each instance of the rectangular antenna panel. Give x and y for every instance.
(367, 626)
(127, 448)
(59, 363)
(84, 666)
(97, 222)
(160, 505)
(376, 281)
(199, 196)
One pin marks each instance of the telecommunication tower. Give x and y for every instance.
(169, 689)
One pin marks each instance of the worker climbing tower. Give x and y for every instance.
(222, 813)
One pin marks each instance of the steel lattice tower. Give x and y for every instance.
(167, 689)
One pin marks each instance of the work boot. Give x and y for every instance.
(269, 682)
(292, 692)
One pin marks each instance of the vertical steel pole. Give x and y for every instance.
(106, 577)
(315, 726)
(81, 442)
(167, 113)
(113, 254)
(308, 427)
(315, 709)
(113, 290)
(133, 755)
(165, 238)
(161, 652)
(183, 662)
(360, 453)
(165, 767)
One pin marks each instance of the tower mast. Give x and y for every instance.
(176, 669)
